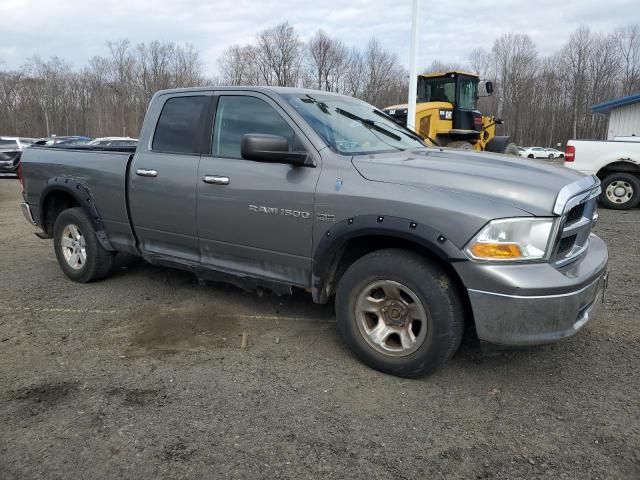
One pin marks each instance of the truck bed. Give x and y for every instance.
(591, 156)
(102, 170)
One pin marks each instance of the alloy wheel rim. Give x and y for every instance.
(74, 248)
(619, 191)
(391, 318)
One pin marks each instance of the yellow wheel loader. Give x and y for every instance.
(447, 114)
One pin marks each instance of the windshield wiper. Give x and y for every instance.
(321, 105)
(406, 132)
(369, 124)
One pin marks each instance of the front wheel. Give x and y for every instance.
(399, 313)
(502, 144)
(80, 255)
(620, 191)
(460, 144)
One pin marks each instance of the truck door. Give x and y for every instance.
(164, 175)
(253, 216)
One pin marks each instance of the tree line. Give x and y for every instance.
(544, 100)
(106, 97)
(280, 58)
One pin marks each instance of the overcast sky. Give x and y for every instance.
(77, 30)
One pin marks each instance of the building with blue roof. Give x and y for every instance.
(624, 116)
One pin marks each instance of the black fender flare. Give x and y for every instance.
(82, 195)
(335, 239)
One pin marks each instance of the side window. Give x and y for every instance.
(178, 127)
(239, 115)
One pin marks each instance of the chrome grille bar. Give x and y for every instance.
(576, 205)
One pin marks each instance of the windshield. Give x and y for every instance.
(468, 93)
(443, 89)
(350, 126)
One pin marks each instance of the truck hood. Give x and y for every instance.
(530, 185)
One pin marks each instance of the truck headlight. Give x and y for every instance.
(510, 239)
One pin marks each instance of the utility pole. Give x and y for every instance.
(413, 74)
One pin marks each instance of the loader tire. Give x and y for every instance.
(460, 144)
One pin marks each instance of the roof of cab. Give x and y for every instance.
(445, 74)
(263, 89)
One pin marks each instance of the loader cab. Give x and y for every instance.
(458, 89)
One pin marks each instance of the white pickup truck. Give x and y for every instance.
(615, 162)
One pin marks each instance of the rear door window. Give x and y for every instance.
(179, 126)
(239, 115)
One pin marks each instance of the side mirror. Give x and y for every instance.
(488, 86)
(271, 148)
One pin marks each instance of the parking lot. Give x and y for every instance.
(142, 376)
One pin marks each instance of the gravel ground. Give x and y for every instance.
(142, 376)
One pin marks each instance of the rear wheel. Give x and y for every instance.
(78, 251)
(460, 144)
(398, 313)
(551, 156)
(620, 191)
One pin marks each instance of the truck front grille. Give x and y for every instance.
(565, 245)
(573, 235)
(575, 213)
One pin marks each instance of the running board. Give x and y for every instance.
(43, 235)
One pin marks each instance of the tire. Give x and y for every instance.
(531, 155)
(551, 156)
(409, 282)
(79, 254)
(460, 144)
(620, 191)
(502, 144)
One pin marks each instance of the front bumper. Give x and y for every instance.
(532, 304)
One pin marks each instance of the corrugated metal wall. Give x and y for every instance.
(624, 121)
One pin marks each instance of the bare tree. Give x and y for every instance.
(627, 40)
(327, 59)
(576, 57)
(384, 73)
(280, 55)
(232, 65)
(438, 66)
(355, 78)
(480, 62)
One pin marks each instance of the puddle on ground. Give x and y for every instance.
(183, 328)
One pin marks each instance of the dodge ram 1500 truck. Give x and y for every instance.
(282, 188)
(615, 162)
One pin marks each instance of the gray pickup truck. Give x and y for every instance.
(281, 188)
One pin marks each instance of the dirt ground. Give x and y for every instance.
(142, 376)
